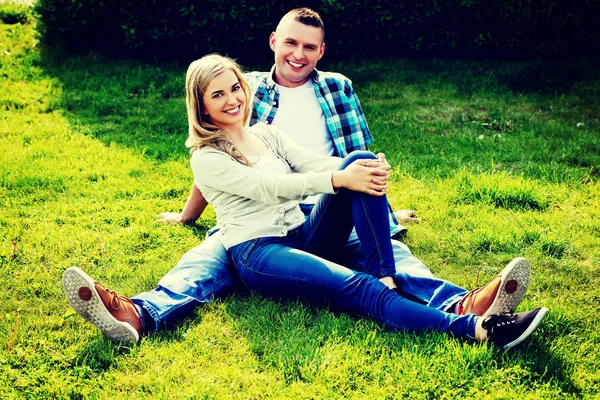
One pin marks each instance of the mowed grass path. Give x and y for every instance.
(499, 158)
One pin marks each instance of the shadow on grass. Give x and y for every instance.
(542, 77)
(128, 103)
(313, 334)
(140, 104)
(539, 356)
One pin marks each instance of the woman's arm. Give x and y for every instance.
(218, 171)
(367, 175)
(299, 158)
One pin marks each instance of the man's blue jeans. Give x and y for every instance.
(206, 273)
(297, 265)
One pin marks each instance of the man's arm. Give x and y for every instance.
(194, 207)
(360, 115)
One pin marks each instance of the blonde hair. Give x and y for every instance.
(201, 132)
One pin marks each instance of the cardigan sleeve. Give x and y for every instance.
(300, 159)
(217, 171)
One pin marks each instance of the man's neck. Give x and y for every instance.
(280, 80)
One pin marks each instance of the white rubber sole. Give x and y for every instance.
(508, 298)
(534, 324)
(93, 310)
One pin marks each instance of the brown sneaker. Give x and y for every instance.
(114, 315)
(501, 295)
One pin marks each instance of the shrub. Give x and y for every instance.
(355, 28)
(12, 13)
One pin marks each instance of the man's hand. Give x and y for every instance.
(406, 216)
(194, 206)
(169, 218)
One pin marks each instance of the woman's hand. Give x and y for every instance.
(366, 176)
(381, 163)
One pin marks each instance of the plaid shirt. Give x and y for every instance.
(345, 119)
(344, 116)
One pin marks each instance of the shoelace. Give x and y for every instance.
(115, 299)
(472, 294)
(494, 321)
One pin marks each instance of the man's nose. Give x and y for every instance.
(299, 52)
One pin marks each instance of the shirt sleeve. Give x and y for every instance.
(355, 103)
(218, 171)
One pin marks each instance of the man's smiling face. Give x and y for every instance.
(297, 48)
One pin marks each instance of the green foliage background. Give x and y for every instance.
(355, 28)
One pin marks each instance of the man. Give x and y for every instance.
(320, 111)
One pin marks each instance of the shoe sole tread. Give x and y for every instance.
(517, 270)
(93, 310)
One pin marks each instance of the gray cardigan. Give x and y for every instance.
(252, 203)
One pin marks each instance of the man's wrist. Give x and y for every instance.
(186, 220)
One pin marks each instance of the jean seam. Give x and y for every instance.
(452, 300)
(318, 224)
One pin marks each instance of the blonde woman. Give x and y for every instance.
(255, 177)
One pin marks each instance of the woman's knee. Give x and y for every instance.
(357, 155)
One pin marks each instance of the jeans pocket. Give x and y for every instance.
(241, 253)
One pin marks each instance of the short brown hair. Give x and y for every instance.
(308, 17)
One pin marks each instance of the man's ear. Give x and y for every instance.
(322, 50)
(272, 40)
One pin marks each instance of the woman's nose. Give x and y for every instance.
(231, 99)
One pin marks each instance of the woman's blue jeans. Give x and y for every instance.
(297, 265)
(331, 222)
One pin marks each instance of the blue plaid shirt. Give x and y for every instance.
(345, 119)
(344, 116)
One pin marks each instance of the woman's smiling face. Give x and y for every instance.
(224, 100)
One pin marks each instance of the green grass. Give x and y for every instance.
(499, 158)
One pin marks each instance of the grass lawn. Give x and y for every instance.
(500, 159)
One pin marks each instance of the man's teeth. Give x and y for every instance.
(297, 65)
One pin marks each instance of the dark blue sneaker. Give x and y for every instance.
(508, 330)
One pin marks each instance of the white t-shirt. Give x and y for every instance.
(301, 104)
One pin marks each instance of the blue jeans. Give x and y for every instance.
(274, 266)
(330, 223)
(206, 273)
(297, 265)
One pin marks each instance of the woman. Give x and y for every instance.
(254, 178)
